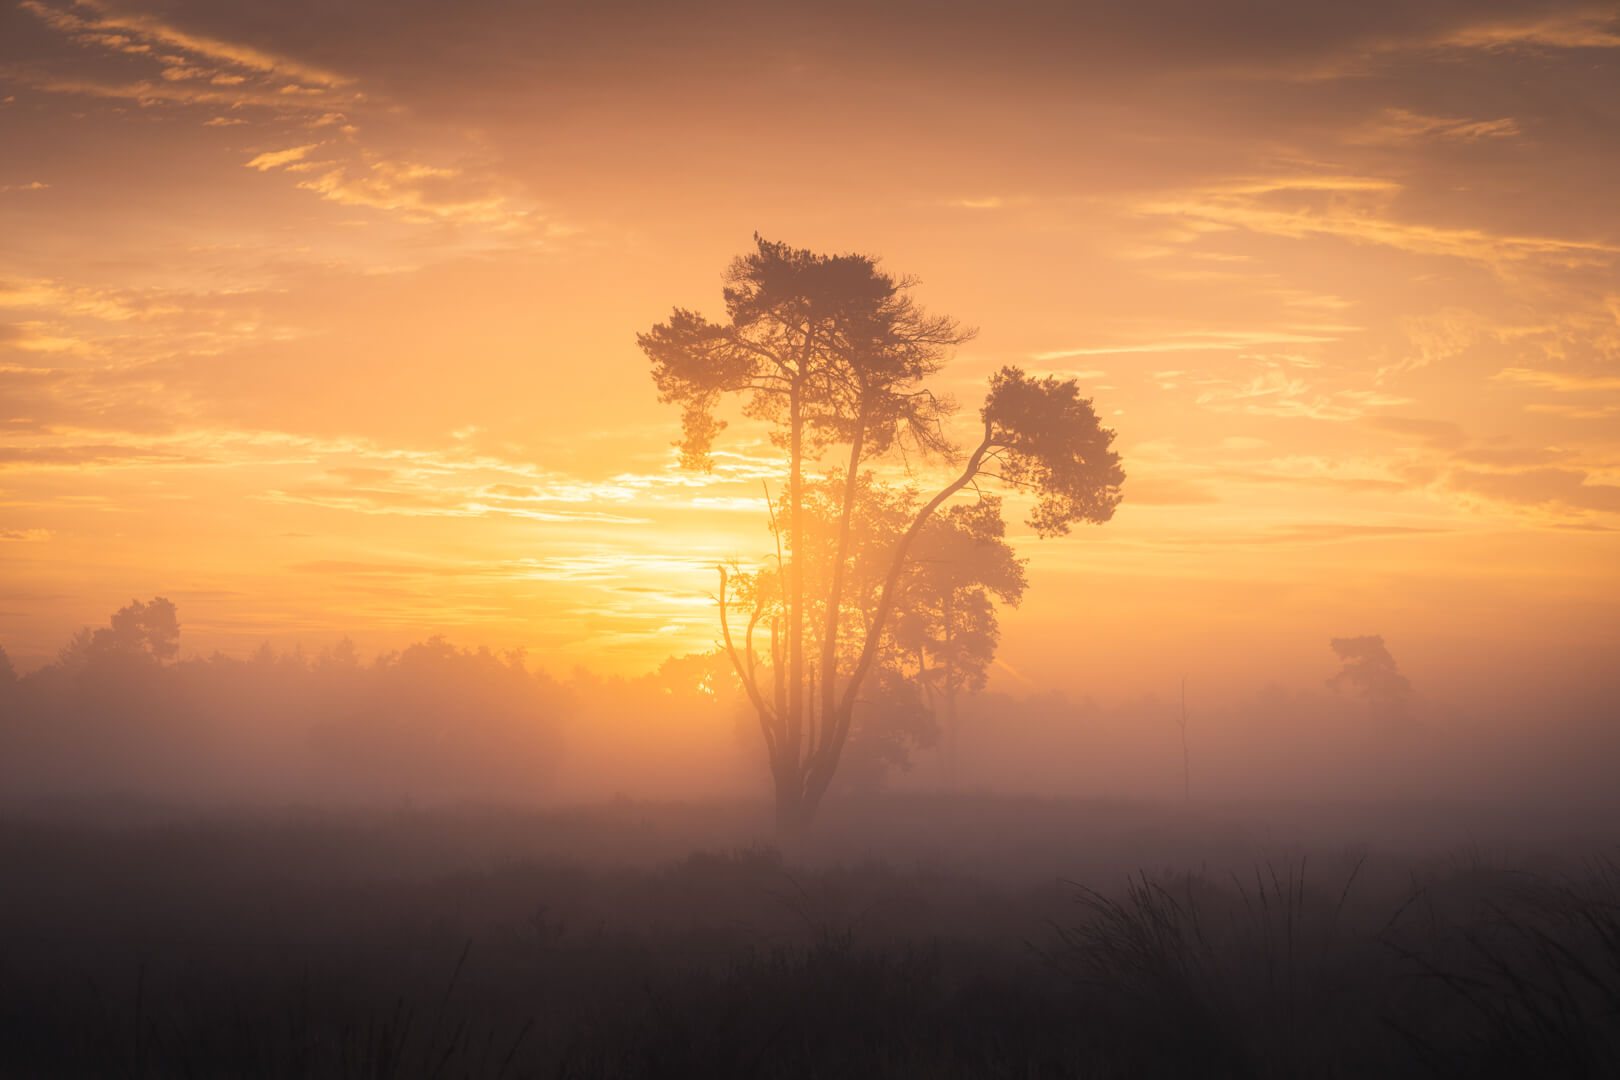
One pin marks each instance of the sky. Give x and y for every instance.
(320, 319)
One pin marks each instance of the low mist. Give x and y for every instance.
(439, 724)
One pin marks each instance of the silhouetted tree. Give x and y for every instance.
(697, 676)
(942, 637)
(1369, 670)
(8, 674)
(947, 627)
(140, 631)
(832, 352)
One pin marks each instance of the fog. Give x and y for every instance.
(443, 724)
(442, 860)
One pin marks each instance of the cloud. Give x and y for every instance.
(1435, 339)
(114, 305)
(1275, 391)
(1328, 480)
(147, 93)
(611, 566)
(1199, 341)
(346, 568)
(1323, 532)
(104, 454)
(1595, 27)
(275, 159)
(147, 29)
(1395, 126)
(1509, 457)
(362, 474)
(1359, 212)
(1540, 487)
(1563, 382)
(1576, 412)
(209, 70)
(1168, 491)
(1432, 432)
(37, 337)
(425, 194)
(1331, 532)
(447, 503)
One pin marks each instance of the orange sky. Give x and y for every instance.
(321, 319)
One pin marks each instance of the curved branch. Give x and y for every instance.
(827, 762)
(835, 591)
(745, 674)
(897, 563)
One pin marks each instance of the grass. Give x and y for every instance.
(587, 944)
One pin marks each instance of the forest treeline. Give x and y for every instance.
(117, 713)
(120, 712)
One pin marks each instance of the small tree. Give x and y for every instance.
(833, 353)
(961, 567)
(1369, 670)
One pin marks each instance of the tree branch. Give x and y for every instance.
(765, 715)
(874, 633)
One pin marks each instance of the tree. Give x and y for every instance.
(943, 634)
(832, 352)
(1369, 670)
(947, 627)
(141, 631)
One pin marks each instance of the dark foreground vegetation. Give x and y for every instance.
(997, 938)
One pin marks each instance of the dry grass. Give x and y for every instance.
(451, 945)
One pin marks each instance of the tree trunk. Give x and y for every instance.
(823, 766)
(795, 689)
(792, 815)
(950, 694)
(835, 591)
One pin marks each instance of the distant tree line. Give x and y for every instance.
(117, 712)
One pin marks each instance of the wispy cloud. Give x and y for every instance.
(194, 70)
(275, 159)
(984, 202)
(1540, 487)
(1597, 27)
(1563, 382)
(1430, 432)
(1277, 392)
(1201, 341)
(1360, 212)
(1395, 126)
(426, 193)
(135, 32)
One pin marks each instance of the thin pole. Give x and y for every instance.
(1186, 756)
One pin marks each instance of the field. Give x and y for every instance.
(921, 936)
